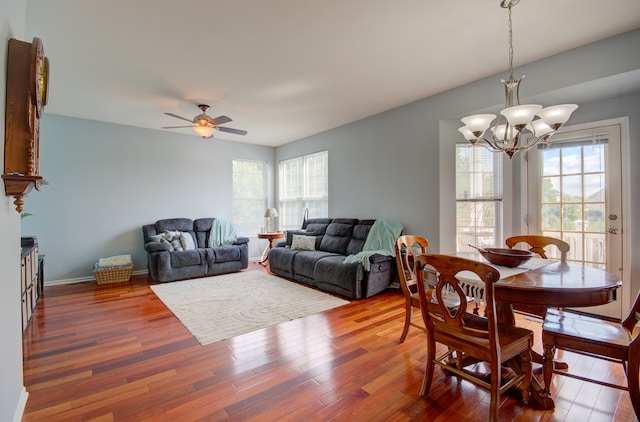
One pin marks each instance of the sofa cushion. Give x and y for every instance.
(304, 262)
(179, 224)
(316, 225)
(202, 227)
(185, 258)
(307, 243)
(337, 238)
(223, 254)
(360, 233)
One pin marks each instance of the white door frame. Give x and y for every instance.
(626, 198)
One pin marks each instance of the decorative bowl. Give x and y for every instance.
(506, 257)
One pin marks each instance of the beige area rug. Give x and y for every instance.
(224, 306)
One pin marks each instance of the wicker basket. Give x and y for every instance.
(113, 275)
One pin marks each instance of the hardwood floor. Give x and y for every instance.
(106, 353)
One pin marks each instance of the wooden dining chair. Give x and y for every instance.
(474, 336)
(597, 338)
(537, 245)
(407, 248)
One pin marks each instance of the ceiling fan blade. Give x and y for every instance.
(220, 120)
(231, 130)
(174, 127)
(179, 117)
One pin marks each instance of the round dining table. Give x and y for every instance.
(555, 284)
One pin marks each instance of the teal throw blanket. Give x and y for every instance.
(381, 240)
(223, 233)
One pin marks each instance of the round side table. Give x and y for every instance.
(271, 237)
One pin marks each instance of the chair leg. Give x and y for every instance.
(496, 377)
(428, 372)
(547, 365)
(633, 367)
(526, 382)
(407, 320)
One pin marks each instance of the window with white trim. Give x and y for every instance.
(478, 197)
(249, 196)
(303, 184)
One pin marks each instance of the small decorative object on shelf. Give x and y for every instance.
(27, 91)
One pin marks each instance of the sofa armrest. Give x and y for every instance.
(241, 240)
(376, 258)
(156, 247)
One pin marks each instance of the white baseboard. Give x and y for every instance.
(22, 403)
(82, 279)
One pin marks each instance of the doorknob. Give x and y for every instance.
(613, 231)
(613, 217)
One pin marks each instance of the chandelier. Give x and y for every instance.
(515, 130)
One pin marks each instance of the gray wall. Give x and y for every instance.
(400, 164)
(13, 395)
(107, 180)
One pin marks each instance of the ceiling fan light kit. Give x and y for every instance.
(508, 132)
(204, 125)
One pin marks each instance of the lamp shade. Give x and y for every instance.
(539, 128)
(522, 114)
(558, 114)
(468, 135)
(203, 131)
(478, 122)
(271, 212)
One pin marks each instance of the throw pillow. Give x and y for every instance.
(162, 239)
(187, 241)
(306, 243)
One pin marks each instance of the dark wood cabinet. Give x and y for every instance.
(27, 90)
(31, 286)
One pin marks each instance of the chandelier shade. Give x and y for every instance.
(517, 128)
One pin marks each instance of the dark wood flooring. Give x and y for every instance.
(116, 353)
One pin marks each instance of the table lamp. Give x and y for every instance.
(270, 215)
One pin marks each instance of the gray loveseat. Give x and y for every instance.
(184, 253)
(321, 263)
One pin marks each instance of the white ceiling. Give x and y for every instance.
(287, 69)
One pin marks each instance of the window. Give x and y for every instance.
(478, 197)
(303, 183)
(249, 196)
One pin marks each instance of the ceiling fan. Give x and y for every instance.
(204, 125)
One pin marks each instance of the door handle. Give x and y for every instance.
(613, 231)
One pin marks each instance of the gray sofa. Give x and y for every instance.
(177, 250)
(324, 267)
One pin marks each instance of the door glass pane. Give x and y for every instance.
(550, 190)
(594, 218)
(594, 187)
(572, 160)
(572, 188)
(572, 217)
(551, 162)
(594, 159)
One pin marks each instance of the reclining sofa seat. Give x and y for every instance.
(164, 264)
(324, 267)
